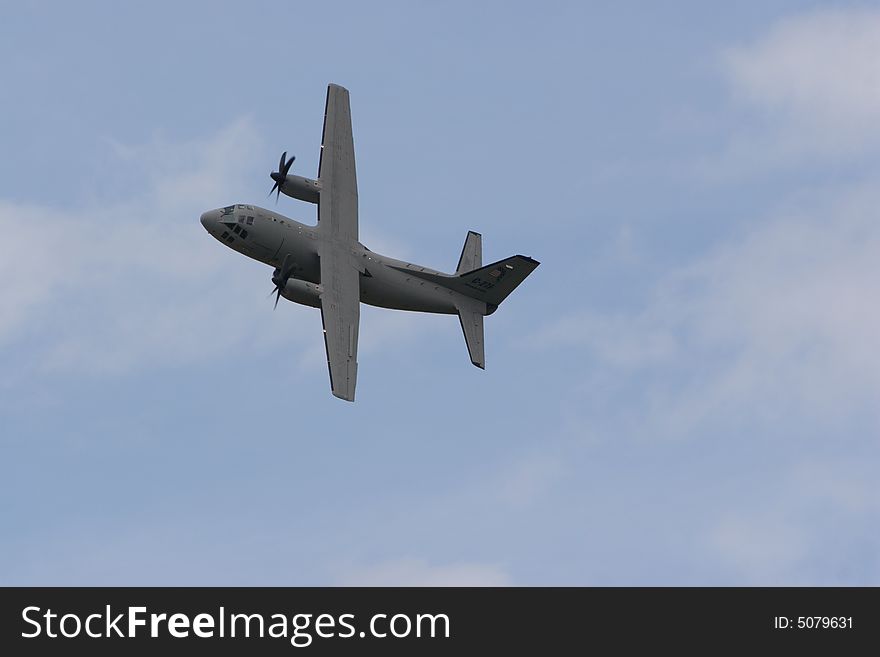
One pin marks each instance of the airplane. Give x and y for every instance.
(325, 266)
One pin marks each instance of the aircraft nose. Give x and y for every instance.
(209, 219)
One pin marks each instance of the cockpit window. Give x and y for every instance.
(250, 221)
(228, 210)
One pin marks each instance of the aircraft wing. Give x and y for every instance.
(340, 314)
(338, 204)
(338, 228)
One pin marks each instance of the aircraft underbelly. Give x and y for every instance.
(260, 250)
(394, 291)
(302, 250)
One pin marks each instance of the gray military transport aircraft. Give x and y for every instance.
(325, 266)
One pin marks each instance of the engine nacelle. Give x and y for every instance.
(302, 292)
(304, 189)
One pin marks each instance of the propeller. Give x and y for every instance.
(281, 174)
(281, 275)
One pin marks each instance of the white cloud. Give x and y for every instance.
(131, 283)
(525, 481)
(759, 546)
(624, 341)
(783, 321)
(790, 309)
(817, 78)
(817, 526)
(763, 351)
(418, 572)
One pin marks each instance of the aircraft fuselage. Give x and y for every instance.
(268, 237)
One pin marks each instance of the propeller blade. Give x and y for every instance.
(281, 275)
(284, 270)
(288, 164)
(278, 176)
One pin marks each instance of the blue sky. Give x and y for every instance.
(685, 392)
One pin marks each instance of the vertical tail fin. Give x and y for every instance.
(471, 254)
(480, 289)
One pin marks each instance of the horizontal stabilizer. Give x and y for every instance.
(493, 283)
(490, 284)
